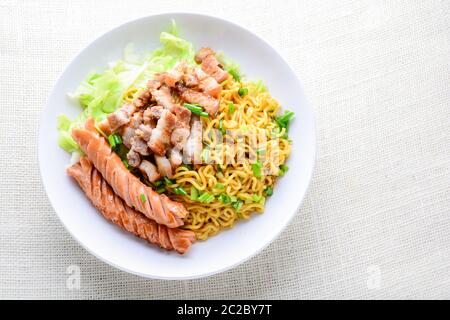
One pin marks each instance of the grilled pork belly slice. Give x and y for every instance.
(210, 64)
(114, 209)
(149, 170)
(160, 138)
(208, 102)
(193, 146)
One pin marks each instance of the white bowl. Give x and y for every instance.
(258, 60)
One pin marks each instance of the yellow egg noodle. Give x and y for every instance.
(250, 134)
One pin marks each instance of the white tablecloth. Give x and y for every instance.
(376, 220)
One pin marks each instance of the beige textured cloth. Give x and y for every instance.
(376, 220)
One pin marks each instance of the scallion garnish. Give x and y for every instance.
(205, 155)
(219, 186)
(261, 151)
(237, 205)
(224, 198)
(143, 198)
(242, 91)
(206, 197)
(283, 120)
(180, 191)
(230, 108)
(168, 181)
(235, 74)
(268, 191)
(256, 168)
(114, 140)
(158, 183)
(284, 169)
(125, 162)
(221, 129)
(161, 190)
(196, 109)
(194, 193)
(256, 198)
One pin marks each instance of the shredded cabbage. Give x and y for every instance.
(102, 93)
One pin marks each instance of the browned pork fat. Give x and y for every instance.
(208, 102)
(115, 210)
(210, 64)
(135, 194)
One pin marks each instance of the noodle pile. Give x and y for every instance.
(228, 169)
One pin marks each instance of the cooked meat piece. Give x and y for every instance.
(153, 85)
(175, 157)
(149, 170)
(127, 133)
(152, 115)
(203, 53)
(190, 80)
(183, 114)
(160, 139)
(210, 64)
(117, 119)
(127, 186)
(209, 103)
(133, 158)
(173, 75)
(143, 99)
(193, 146)
(163, 97)
(114, 209)
(139, 145)
(144, 132)
(164, 166)
(179, 137)
(136, 120)
(210, 86)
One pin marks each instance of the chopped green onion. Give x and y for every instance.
(261, 151)
(196, 109)
(237, 205)
(283, 169)
(193, 107)
(230, 108)
(114, 140)
(180, 191)
(220, 175)
(256, 198)
(262, 201)
(256, 168)
(189, 166)
(194, 193)
(268, 191)
(143, 198)
(233, 198)
(161, 190)
(283, 120)
(221, 129)
(125, 162)
(219, 186)
(206, 198)
(242, 91)
(158, 183)
(205, 155)
(168, 181)
(235, 74)
(224, 198)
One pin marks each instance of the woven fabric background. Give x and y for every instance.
(376, 220)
